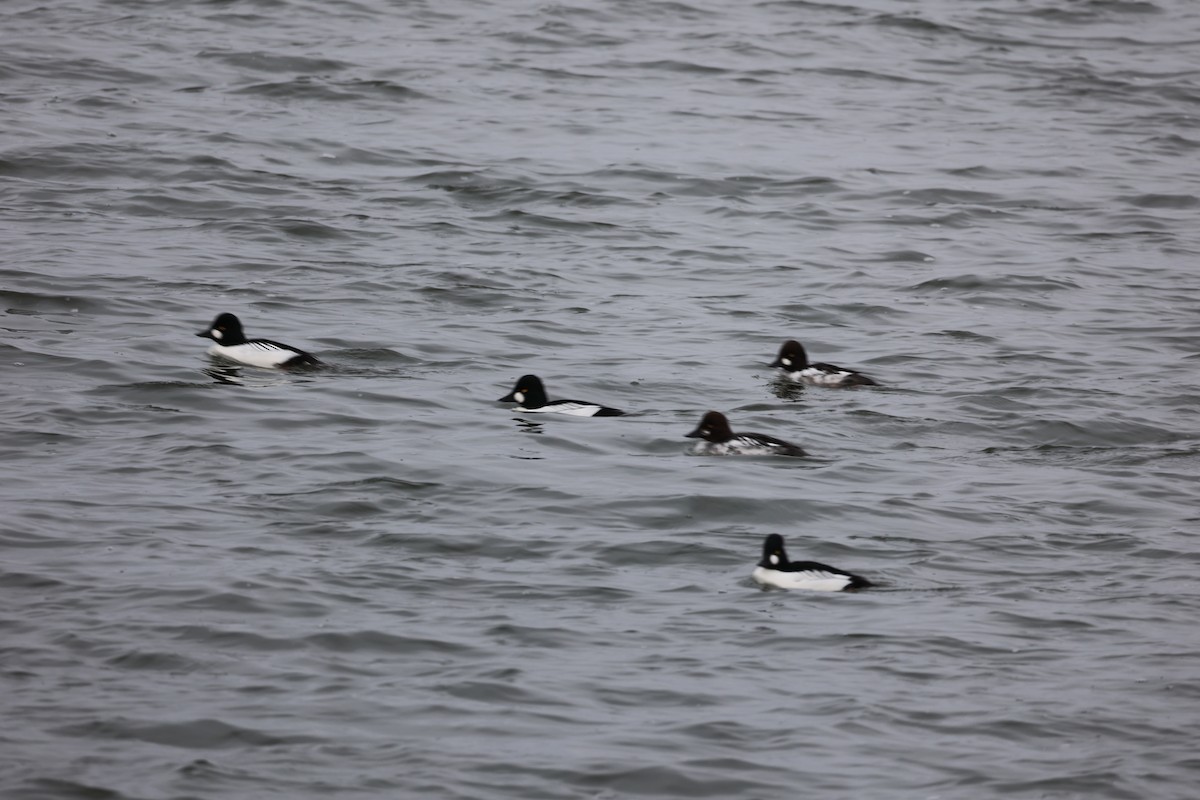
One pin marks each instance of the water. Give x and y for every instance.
(374, 581)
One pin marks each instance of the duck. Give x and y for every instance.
(775, 570)
(719, 439)
(231, 343)
(794, 362)
(530, 395)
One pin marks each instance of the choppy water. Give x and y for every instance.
(374, 581)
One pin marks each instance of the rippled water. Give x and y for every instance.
(376, 581)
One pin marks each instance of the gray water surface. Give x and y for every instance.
(375, 581)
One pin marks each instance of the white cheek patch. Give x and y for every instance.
(774, 559)
(519, 397)
(216, 334)
(787, 362)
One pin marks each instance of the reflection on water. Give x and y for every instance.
(225, 374)
(527, 426)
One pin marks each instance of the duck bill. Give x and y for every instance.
(508, 398)
(694, 434)
(776, 363)
(204, 334)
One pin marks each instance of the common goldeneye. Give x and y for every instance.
(530, 395)
(231, 343)
(720, 440)
(794, 362)
(775, 570)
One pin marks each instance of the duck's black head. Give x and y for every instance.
(226, 329)
(713, 427)
(791, 356)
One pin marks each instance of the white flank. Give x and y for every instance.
(753, 447)
(819, 377)
(812, 580)
(574, 409)
(740, 446)
(255, 354)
